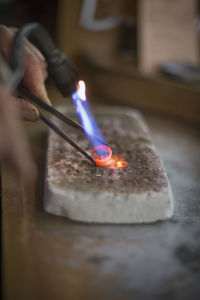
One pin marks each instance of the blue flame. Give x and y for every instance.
(88, 122)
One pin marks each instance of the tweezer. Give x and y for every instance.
(28, 96)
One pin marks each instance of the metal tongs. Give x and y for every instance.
(28, 96)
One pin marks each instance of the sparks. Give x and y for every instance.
(81, 90)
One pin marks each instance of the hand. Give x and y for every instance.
(13, 146)
(34, 76)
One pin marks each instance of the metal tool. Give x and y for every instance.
(60, 69)
(28, 96)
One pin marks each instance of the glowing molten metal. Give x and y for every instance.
(102, 155)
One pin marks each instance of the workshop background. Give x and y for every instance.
(140, 54)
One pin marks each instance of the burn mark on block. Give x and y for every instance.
(140, 192)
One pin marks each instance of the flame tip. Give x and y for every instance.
(81, 90)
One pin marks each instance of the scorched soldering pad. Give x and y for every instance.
(138, 193)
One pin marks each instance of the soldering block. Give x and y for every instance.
(138, 193)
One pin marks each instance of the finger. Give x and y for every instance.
(35, 51)
(33, 77)
(35, 73)
(26, 110)
(6, 39)
(41, 59)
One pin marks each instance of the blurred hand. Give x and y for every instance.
(13, 146)
(34, 76)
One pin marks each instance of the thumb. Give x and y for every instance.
(26, 110)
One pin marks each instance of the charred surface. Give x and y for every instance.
(127, 139)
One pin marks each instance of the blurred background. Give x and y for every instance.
(140, 53)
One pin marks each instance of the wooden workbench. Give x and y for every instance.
(49, 257)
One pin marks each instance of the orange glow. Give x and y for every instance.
(81, 90)
(116, 163)
(106, 159)
(101, 160)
